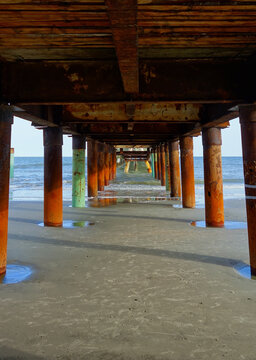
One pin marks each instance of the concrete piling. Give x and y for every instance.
(159, 163)
(12, 163)
(155, 162)
(127, 166)
(53, 140)
(78, 171)
(152, 163)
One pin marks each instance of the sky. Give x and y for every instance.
(28, 141)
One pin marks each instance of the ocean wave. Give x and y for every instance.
(232, 181)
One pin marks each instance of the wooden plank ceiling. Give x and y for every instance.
(139, 65)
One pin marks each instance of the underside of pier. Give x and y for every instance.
(122, 74)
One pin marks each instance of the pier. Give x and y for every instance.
(137, 80)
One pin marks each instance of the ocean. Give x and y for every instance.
(27, 183)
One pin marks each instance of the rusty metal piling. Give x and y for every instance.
(53, 140)
(92, 168)
(106, 168)
(162, 157)
(6, 119)
(213, 183)
(101, 172)
(174, 168)
(247, 114)
(187, 172)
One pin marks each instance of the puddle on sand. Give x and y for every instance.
(71, 224)
(244, 270)
(15, 273)
(231, 225)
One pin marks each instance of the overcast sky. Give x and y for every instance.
(27, 141)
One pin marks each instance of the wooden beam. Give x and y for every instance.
(118, 112)
(123, 19)
(95, 81)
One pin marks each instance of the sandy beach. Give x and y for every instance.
(139, 283)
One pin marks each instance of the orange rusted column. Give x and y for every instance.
(5, 144)
(175, 168)
(187, 172)
(155, 162)
(159, 163)
(106, 172)
(168, 168)
(162, 156)
(53, 140)
(114, 169)
(110, 163)
(92, 168)
(113, 163)
(213, 184)
(247, 115)
(101, 173)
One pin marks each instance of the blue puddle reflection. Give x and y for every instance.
(244, 270)
(231, 225)
(16, 273)
(71, 224)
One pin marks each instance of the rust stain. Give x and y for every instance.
(148, 72)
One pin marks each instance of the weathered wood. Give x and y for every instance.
(123, 19)
(142, 112)
(99, 81)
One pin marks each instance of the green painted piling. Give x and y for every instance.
(153, 164)
(12, 163)
(78, 172)
(167, 171)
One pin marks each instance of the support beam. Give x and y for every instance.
(213, 183)
(123, 19)
(12, 163)
(155, 162)
(187, 172)
(92, 168)
(53, 213)
(175, 168)
(101, 167)
(110, 163)
(159, 163)
(113, 163)
(6, 119)
(148, 167)
(127, 166)
(162, 157)
(167, 168)
(78, 170)
(160, 80)
(248, 130)
(106, 171)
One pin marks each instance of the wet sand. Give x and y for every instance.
(141, 283)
